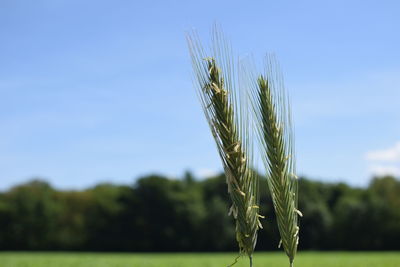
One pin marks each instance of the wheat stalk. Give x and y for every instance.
(229, 125)
(275, 133)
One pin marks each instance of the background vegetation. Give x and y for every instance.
(160, 214)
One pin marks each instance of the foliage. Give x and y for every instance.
(161, 214)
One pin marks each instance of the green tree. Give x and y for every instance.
(28, 211)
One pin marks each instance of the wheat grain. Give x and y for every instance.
(228, 121)
(275, 133)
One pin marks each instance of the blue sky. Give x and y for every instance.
(96, 91)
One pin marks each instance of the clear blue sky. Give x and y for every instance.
(96, 91)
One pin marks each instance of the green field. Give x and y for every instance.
(304, 259)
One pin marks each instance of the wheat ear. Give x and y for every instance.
(230, 130)
(275, 131)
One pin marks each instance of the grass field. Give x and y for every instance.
(304, 259)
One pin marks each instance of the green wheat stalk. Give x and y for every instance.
(274, 127)
(228, 122)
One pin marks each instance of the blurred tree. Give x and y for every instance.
(28, 212)
(103, 217)
(386, 196)
(161, 214)
(314, 199)
(217, 230)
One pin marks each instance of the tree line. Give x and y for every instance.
(160, 214)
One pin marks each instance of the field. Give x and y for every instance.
(305, 259)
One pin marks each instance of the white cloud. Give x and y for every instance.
(381, 170)
(391, 154)
(204, 173)
(384, 161)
